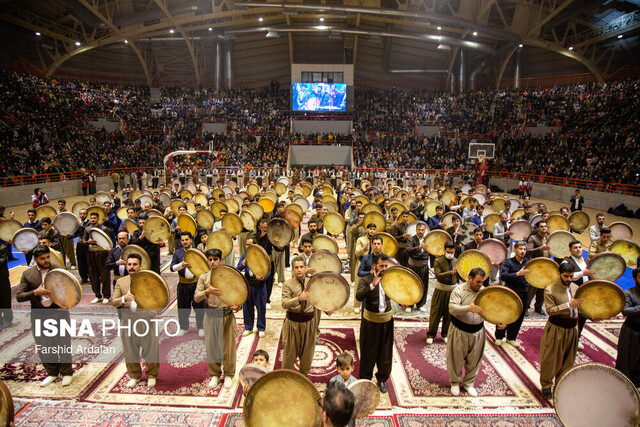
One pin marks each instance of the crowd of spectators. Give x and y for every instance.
(45, 126)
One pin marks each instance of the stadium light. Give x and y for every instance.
(260, 19)
(77, 43)
(38, 33)
(520, 45)
(570, 47)
(620, 36)
(439, 28)
(475, 33)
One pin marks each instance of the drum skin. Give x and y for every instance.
(494, 249)
(593, 395)
(435, 240)
(579, 221)
(232, 223)
(258, 260)
(322, 241)
(296, 208)
(334, 223)
(608, 266)
(149, 289)
(376, 218)
(282, 398)
(602, 299)
(619, 231)
(626, 249)
(250, 373)
(216, 207)
(157, 228)
(431, 206)
(8, 228)
(279, 232)
(98, 210)
(256, 209)
(64, 287)
(402, 285)
(220, 240)
(25, 239)
(187, 223)
(521, 230)
(447, 219)
(66, 223)
(559, 243)
(491, 220)
(205, 219)
(542, 272)
(267, 204)
(557, 222)
(389, 244)
(198, 261)
(232, 283)
(473, 258)
(249, 221)
(131, 226)
(135, 249)
(328, 291)
(325, 260)
(367, 397)
(78, 206)
(500, 305)
(102, 239)
(371, 207)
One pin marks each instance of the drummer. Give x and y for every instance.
(300, 325)
(466, 334)
(363, 247)
(596, 229)
(446, 274)
(628, 359)
(537, 247)
(97, 262)
(260, 238)
(114, 263)
(559, 343)
(399, 232)
(376, 327)
(32, 222)
(131, 215)
(219, 320)
(49, 232)
(32, 289)
(528, 213)
(513, 272)
(602, 245)
(153, 249)
(581, 275)
(187, 283)
(81, 247)
(66, 241)
(418, 260)
(6, 314)
(136, 344)
(454, 232)
(229, 260)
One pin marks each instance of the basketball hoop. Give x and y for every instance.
(481, 160)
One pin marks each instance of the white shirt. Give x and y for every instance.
(583, 265)
(382, 306)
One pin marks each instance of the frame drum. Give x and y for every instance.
(447, 197)
(102, 239)
(334, 223)
(157, 228)
(516, 213)
(198, 262)
(325, 260)
(175, 206)
(220, 240)
(466, 231)
(389, 244)
(145, 199)
(542, 272)
(431, 206)
(187, 223)
(165, 199)
(56, 259)
(256, 209)
(367, 397)
(521, 230)
(232, 283)
(201, 198)
(593, 395)
(282, 398)
(253, 189)
(473, 258)
(376, 218)
(371, 207)
(579, 221)
(626, 249)
(447, 219)
(6, 406)
(280, 188)
(205, 219)
(500, 305)
(135, 249)
(296, 208)
(149, 289)
(186, 194)
(8, 228)
(619, 231)
(250, 373)
(322, 241)
(25, 239)
(480, 197)
(284, 180)
(328, 291)
(232, 223)
(249, 221)
(66, 223)
(557, 222)
(267, 204)
(498, 204)
(559, 243)
(103, 196)
(608, 266)
(435, 240)
(258, 260)
(232, 204)
(131, 226)
(279, 232)
(303, 203)
(64, 287)
(402, 285)
(292, 217)
(78, 206)
(490, 221)
(121, 213)
(411, 228)
(602, 299)
(494, 249)
(216, 207)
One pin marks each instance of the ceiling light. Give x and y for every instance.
(260, 19)
(439, 28)
(171, 31)
(321, 19)
(77, 43)
(273, 35)
(125, 42)
(38, 33)
(210, 29)
(321, 27)
(570, 47)
(520, 45)
(475, 33)
(444, 47)
(620, 36)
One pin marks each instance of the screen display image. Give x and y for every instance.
(319, 96)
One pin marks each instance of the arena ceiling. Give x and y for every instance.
(407, 43)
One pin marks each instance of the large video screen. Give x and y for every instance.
(319, 97)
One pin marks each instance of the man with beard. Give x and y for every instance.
(418, 260)
(187, 283)
(153, 249)
(136, 344)
(97, 262)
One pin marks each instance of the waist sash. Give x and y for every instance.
(374, 317)
(300, 317)
(564, 322)
(466, 327)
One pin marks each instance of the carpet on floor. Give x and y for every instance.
(236, 420)
(477, 420)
